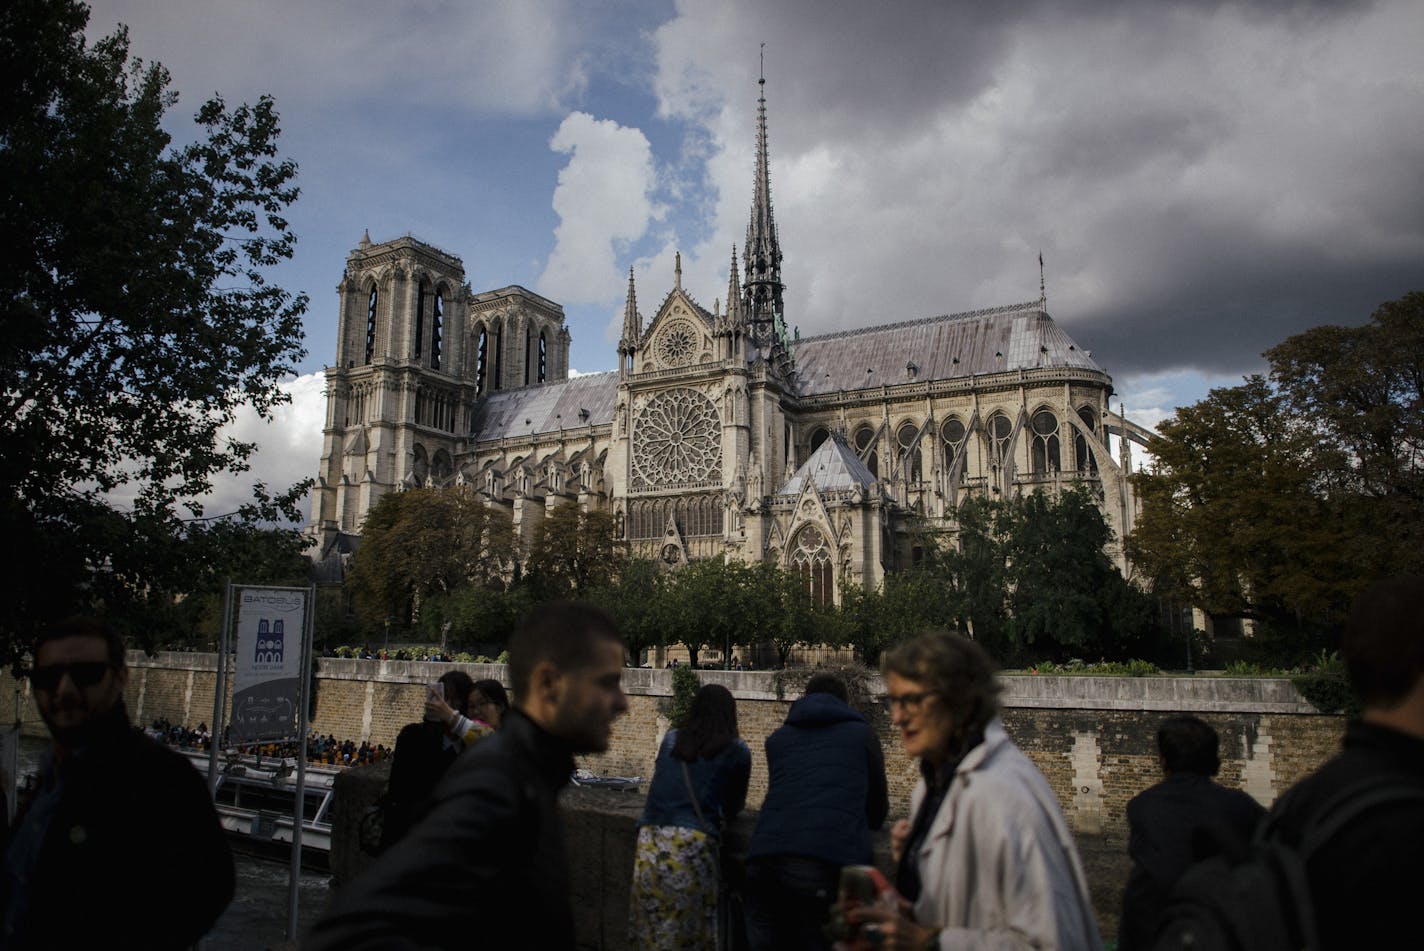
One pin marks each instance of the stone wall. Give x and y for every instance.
(1094, 738)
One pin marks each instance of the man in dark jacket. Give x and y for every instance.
(1168, 821)
(119, 825)
(487, 864)
(1366, 879)
(825, 795)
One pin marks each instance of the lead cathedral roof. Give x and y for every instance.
(1000, 339)
(997, 340)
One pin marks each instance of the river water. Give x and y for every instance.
(257, 917)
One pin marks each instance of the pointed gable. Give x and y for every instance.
(833, 467)
(679, 336)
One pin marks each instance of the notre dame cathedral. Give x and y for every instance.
(719, 432)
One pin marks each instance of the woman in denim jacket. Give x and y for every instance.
(700, 780)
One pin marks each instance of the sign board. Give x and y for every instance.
(267, 670)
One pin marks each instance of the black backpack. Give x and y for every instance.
(1261, 901)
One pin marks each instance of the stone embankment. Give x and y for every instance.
(1094, 738)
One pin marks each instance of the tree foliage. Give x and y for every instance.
(137, 314)
(426, 542)
(573, 551)
(1278, 499)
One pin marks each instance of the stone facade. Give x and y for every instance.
(721, 432)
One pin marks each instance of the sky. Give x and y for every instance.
(1202, 179)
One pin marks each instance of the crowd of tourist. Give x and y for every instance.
(320, 749)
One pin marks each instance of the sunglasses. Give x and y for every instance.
(85, 673)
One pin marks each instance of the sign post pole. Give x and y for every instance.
(299, 812)
(220, 689)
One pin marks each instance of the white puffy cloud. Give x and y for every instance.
(604, 201)
(289, 446)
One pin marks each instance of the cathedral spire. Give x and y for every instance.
(762, 251)
(734, 291)
(632, 323)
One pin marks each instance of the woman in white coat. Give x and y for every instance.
(987, 860)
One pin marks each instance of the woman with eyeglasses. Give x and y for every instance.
(480, 716)
(987, 859)
(699, 781)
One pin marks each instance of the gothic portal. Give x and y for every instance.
(719, 432)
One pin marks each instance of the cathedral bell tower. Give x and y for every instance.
(397, 404)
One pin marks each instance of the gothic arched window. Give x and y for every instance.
(1045, 454)
(498, 376)
(907, 436)
(818, 436)
(371, 325)
(440, 466)
(999, 429)
(1083, 455)
(952, 434)
(419, 320)
(481, 360)
(864, 436)
(437, 320)
(543, 358)
(811, 561)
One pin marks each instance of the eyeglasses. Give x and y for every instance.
(85, 673)
(909, 702)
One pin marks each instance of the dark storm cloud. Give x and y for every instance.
(1203, 179)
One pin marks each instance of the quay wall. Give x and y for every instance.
(1094, 738)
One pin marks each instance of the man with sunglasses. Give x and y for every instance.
(117, 820)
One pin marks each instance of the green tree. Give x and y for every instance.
(475, 614)
(783, 613)
(1363, 389)
(637, 599)
(1239, 517)
(426, 542)
(573, 552)
(1065, 596)
(1277, 500)
(975, 575)
(137, 313)
(858, 620)
(713, 604)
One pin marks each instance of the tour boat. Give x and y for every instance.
(254, 803)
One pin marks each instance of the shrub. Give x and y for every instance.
(685, 684)
(1326, 687)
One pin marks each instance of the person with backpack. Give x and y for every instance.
(826, 793)
(1166, 820)
(1367, 876)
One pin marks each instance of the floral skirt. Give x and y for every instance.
(673, 901)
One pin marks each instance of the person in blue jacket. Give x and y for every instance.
(699, 781)
(825, 796)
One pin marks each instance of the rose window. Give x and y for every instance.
(677, 344)
(676, 441)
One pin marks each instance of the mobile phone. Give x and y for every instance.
(437, 689)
